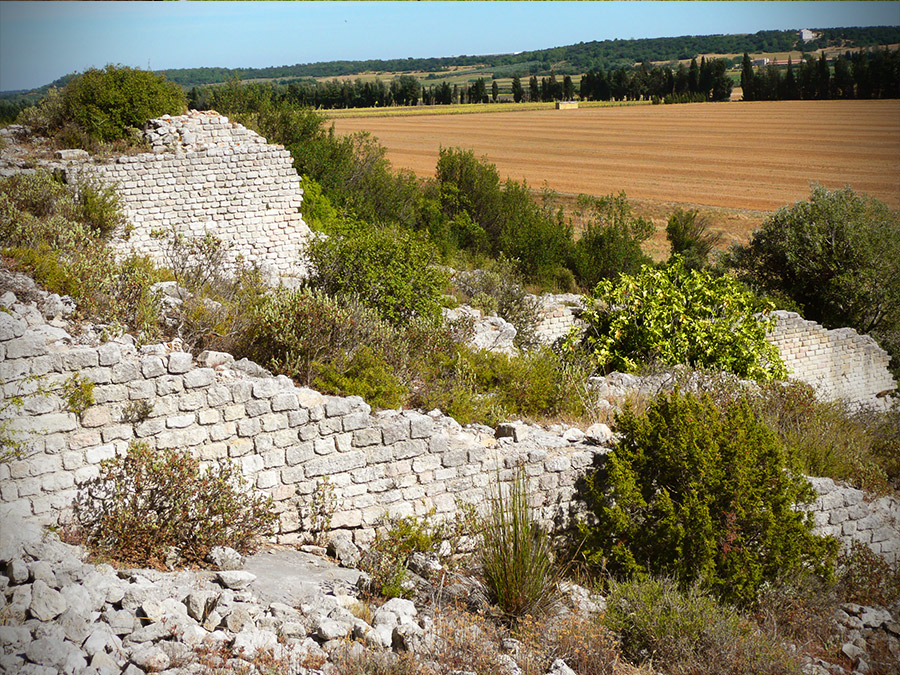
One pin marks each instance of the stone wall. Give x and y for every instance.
(285, 439)
(288, 439)
(839, 364)
(852, 515)
(207, 174)
(557, 314)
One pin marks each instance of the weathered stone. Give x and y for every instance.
(235, 579)
(46, 603)
(179, 362)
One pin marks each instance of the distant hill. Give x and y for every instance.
(571, 60)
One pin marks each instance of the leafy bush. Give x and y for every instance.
(689, 236)
(702, 495)
(107, 104)
(540, 242)
(148, 501)
(366, 374)
(392, 271)
(837, 256)
(610, 241)
(685, 631)
(674, 315)
(520, 576)
(78, 393)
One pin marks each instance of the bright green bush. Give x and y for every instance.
(520, 576)
(686, 631)
(674, 315)
(392, 271)
(148, 501)
(109, 103)
(701, 494)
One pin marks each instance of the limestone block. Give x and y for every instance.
(179, 362)
(199, 377)
(25, 347)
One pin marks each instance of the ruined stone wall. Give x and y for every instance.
(557, 315)
(207, 174)
(288, 439)
(838, 364)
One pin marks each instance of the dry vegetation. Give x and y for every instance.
(735, 161)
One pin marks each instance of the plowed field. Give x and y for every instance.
(757, 156)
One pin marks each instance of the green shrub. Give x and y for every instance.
(611, 238)
(689, 236)
(78, 393)
(109, 103)
(701, 494)
(366, 374)
(520, 576)
(148, 501)
(685, 631)
(392, 271)
(837, 256)
(299, 333)
(674, 315)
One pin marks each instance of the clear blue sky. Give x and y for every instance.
(41, 41)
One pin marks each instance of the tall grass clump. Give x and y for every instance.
(520, 574)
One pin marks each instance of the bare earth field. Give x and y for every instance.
(734, 161)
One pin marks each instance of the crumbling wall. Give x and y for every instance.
(838, 364)
(206, 174)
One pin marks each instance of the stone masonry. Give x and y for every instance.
(838, 364)
(288, 439)
(206, 174)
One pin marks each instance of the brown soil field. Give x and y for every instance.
(734, 161)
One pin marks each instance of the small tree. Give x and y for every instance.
(689, 236)
(611, 238)
(675, 315)
(702, 494)
(837, 257)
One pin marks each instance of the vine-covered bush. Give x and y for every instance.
(702, 494)
(149, 501)
(674, 315)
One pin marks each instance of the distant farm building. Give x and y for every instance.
(566, 105)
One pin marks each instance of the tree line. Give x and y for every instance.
(706, 81)
(851, 75)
